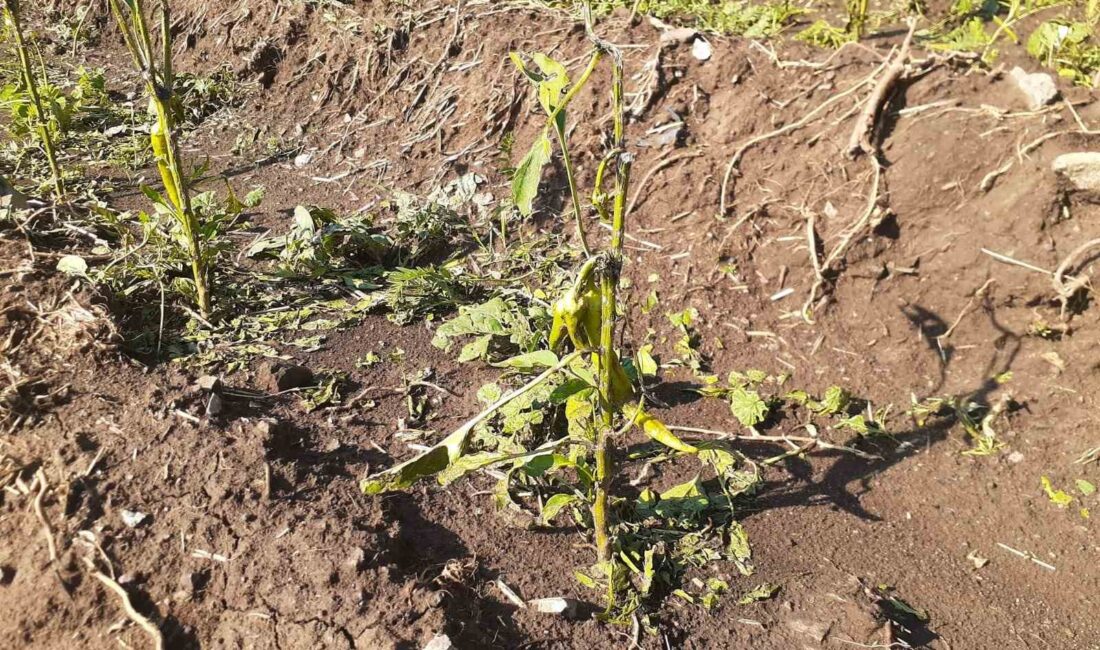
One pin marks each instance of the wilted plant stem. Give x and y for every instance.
(609, 282)
(857, 17)
(160, 82)
(11, 9)
(567, 163)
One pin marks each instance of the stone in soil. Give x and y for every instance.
(1038, 87)
(1081, 169)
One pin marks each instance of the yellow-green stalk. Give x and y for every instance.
(11, 12)
(857, 17)
(609, 282)
(160, 83)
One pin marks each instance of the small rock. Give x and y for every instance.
(1038, 87)
(566, 607)
(132, 518)
(1015, 457)
(302, 159)
(976, 559)
(357, 559)
(812, 629)
(439, 642)
(209, 383)
(701, 49)
(377, 638)
(214, 405)
(1081, 169)
(678, 35)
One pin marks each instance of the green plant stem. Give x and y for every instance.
(160, 84)
(857, 17)
(609, 282)
(11, 9)
(570, 178)
(559, 131)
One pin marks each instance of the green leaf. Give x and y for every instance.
(1085, 488)
(760, 592)
(525, 180)
(836, 400)
(554, 505)
(570, 388)
(747, 406)
(530, 361)
(738, 550)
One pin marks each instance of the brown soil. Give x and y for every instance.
(256, 535)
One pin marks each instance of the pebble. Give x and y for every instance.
(1081, 169)
(1038, 87)
(132, 518)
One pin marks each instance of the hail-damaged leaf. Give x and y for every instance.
(738, 549)
(747, 406)
(530, 361)
(646, 363)
(1057, 497)
(430, 462)
(578, 413)
(836, 400)
(656, 430)
(326, 394)
(760, 592)
(555, 504)
(528, 174)
(715, 588)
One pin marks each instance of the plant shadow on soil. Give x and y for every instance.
(832, 488)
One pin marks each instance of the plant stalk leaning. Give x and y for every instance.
(601, 401)
(11, 12)
(160, 81)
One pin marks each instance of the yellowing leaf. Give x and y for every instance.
(1057, 497)
(656, 430)
(525, 180)
(647, 365)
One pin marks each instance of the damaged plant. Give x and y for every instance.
(160, 82)
(643, 545)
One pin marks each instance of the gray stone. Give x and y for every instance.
(1038, 87)
(1081, 169)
